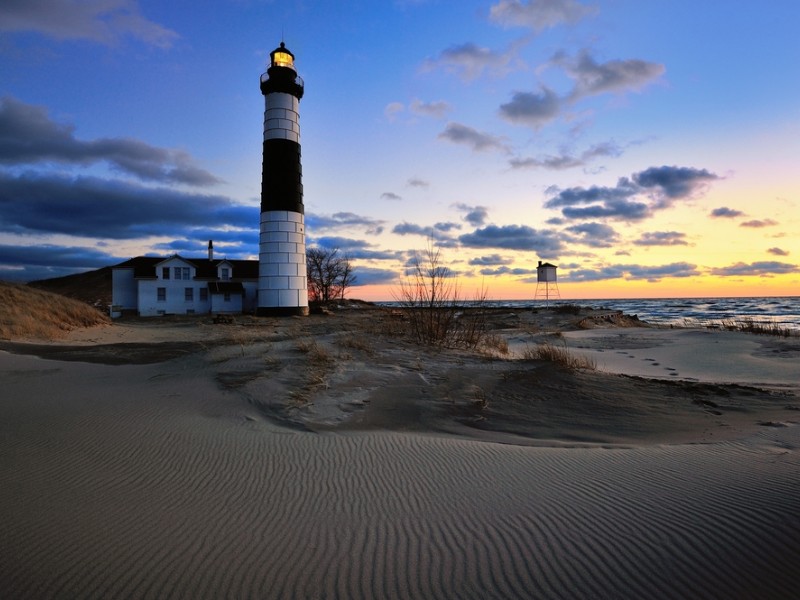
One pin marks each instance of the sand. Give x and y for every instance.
(321, 458)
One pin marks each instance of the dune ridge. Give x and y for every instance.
(179, 489)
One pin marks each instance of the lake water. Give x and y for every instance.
(783, 311)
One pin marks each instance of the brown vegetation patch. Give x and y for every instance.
(29, 313)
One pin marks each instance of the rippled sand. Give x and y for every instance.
(166, 480)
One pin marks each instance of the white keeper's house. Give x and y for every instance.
(151, 286)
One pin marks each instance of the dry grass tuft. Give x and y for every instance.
(559, 355)
(317, 355)
(751, 325)
(355, 341)
(29, 313)
(494, 344)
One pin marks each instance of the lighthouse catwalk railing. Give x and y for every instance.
(282, 284)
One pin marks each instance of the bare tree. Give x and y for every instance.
(329, 274)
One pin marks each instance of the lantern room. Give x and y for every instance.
(281, 76)
(281, 57)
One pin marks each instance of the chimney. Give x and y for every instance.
(210, 249)
(209, 246)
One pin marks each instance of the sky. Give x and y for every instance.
(648, 149)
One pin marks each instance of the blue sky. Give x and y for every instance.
(648, 149)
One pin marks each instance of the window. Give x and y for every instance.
(164, 272)
(203, 294)
(182, 273)
(226, 274)
(186, 274)
(227, 297)
(188, 294)
(161, 294)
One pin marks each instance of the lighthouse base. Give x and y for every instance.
(282, 311)
(282, 282)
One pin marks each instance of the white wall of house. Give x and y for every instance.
(226, 303)
(167, 293)
(123, 289)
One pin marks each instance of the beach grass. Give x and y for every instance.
(751, 325)
(30, 313)
(559, 355)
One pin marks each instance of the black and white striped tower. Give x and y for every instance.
(282, 287)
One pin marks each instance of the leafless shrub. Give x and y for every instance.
(434, 311)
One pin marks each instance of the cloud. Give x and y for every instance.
(579, 195)
(435, 233)
(615, 76)
(469, 61)
(651, 274)
(417, 183)
(674, 182)
(761, 269)
(392, 110)
(507, 271)
(390, 196)
(92, 207)
(446, 226)
(227, 244)
(532, 109)
(631, 199)
(758, 223)
(29, 136)
(342, 220)
(475, 215)
(566, 161)
(778, 252)
(489, 261)
(342, 243)
(513, 237)
(352, 248)
(437, 110)
(373, 276)
(624, 210)
(595, 235)
(476, 140)
(539, 14)
(725, 212)
(102, 21)
(662, 238)
(43, 261)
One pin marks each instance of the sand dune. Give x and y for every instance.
(156, 481)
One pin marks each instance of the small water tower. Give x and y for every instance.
(546, 282)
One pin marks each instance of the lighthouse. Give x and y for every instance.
(282, 287)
